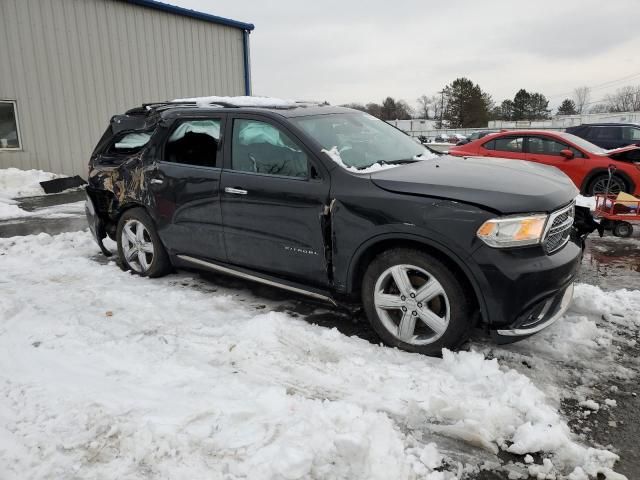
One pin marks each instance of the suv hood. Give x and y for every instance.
(506, 186)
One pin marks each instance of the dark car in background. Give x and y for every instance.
(474, 136)
(608, 135)
(337, 205)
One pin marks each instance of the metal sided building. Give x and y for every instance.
(69, 65)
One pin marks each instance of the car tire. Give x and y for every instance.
(598, 184)
(430, 311)
(139, 247)
(623, 229)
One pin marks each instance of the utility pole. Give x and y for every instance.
(441, 105)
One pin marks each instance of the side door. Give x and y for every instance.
(510, 146)
(273, 197)
(546, 150)
(185, 184)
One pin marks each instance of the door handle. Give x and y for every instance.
(235, 191)
(157, 181)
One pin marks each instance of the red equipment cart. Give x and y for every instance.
(616, 213)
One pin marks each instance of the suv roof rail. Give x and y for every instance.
(146, 108)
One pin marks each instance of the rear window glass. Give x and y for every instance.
(131, 142)
(505, 144)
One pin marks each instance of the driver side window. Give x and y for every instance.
(260, 147)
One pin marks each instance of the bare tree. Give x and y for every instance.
(626, 99)
(424, 102)
(599, 108)
(581, 98)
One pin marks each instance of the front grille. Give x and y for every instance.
(559, 228)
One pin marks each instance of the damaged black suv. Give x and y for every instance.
(337, 205)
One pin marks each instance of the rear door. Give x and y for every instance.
(606, 136)
(185, 185)
(273, 197)
(546, 150)
(509, 146)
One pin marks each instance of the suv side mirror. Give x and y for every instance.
(566, 153)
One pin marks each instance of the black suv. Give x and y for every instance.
(337, 205)
(608, 135)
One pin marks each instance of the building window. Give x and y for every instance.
(9, 133)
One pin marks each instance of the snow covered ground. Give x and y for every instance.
(107, 375)
(15, 183)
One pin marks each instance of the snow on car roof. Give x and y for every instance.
(240, 101)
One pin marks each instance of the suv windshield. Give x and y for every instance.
(360, 139)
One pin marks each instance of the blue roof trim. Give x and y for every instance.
(185, 12)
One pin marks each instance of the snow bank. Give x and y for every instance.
(15, 183)
(104, 374)
(241, 101)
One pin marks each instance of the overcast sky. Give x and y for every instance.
(361, 51)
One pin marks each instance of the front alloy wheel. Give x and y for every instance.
(600, 183)
(415, 302)
(411, 304)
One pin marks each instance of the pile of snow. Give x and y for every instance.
(105, 374)
(241, 101)
(15, 183)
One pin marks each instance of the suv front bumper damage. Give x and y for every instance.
(541, 317)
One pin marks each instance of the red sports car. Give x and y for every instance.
(585, 163)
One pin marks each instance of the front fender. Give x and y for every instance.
(404, 235)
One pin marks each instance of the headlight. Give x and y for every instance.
(513, 231)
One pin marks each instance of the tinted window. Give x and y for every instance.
(263, 148)
(194, 142)
(505, 144)
(605, 133)
(130, 142)
(548, 146)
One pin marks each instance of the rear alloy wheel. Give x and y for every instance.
(414, 302)
(599, 185)
(139, 246)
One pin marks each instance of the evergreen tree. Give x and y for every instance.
(538, 108)
(467, 104)
(521, 105)
(567, 107)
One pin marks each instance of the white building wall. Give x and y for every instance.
(72, 64)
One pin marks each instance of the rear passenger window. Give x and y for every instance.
(505, 144)
(606, 133)
(260, 147)
(194, 142)
(130, 142)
